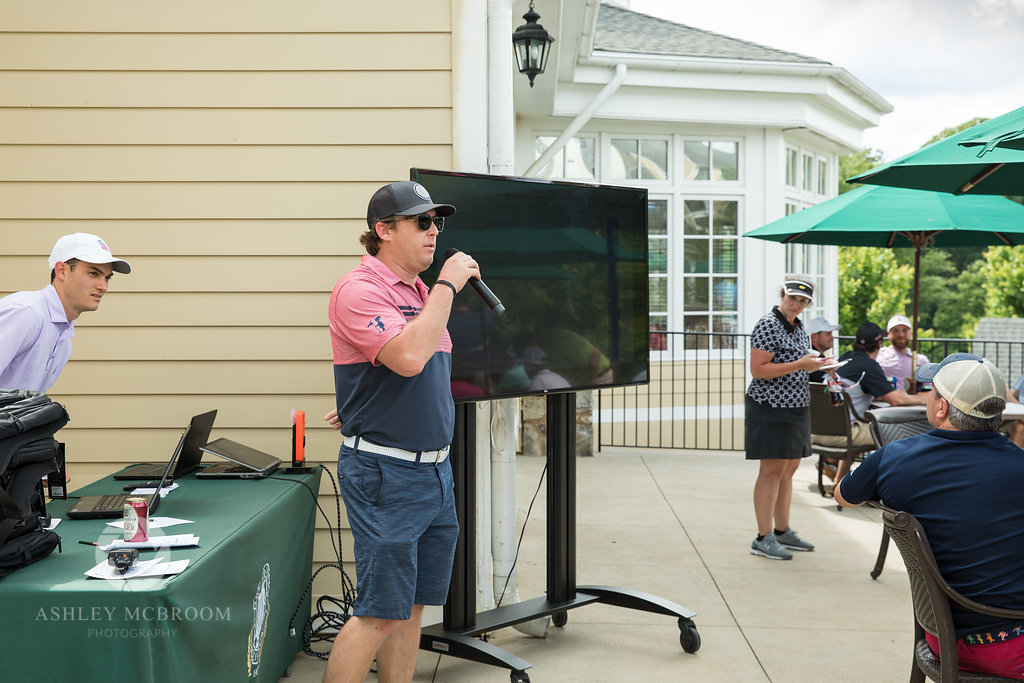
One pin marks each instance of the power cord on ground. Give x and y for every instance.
(331, 613)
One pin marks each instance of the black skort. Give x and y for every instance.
(776, 433)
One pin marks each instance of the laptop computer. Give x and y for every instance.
(112, 505)
(244, 462)
(189, 459)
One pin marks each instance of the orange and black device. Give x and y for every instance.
(299, 443)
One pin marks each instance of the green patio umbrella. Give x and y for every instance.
(957, 165)
(877, 216)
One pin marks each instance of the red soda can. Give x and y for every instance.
(136, 519)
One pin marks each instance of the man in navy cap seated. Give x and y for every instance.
(962, 481)
(865, 383)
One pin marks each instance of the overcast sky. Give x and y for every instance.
(939, 63)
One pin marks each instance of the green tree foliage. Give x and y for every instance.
(855, 164)
(872, 287)
(952, 296)
(946, 132)
(1003, 281)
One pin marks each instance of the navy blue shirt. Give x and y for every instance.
(967, 490)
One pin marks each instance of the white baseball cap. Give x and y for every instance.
(88, 248)
(897, 320)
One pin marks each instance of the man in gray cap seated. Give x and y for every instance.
(962, 482)
(822, 338)
(36, 326)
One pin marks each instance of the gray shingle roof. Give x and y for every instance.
(1008, 357)
(622, 30)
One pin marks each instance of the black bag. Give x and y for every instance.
(28, 451)
(25, 550)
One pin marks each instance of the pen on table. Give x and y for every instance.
(88, 543)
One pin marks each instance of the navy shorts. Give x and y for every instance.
(404, 527)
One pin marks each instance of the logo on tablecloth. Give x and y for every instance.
(260, 612)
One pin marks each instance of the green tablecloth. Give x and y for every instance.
(225, 618)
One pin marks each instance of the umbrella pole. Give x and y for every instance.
(913, 331)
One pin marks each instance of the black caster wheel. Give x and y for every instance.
(560, 619)
(520, 677)
(689, 639)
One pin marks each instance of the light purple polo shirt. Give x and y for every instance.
(35, 339)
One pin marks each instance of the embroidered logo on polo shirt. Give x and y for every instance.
(378, 323)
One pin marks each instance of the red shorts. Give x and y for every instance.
(1000, 658)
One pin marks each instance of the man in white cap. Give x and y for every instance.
(895, 358)
(36, 326)
(962, 482)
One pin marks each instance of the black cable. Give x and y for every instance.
(522, 534)
(331, 613)
(316, 501)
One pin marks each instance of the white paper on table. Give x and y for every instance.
(154, 522)
(149, 568)
(178, 541)
(152, 489)
(54, 521)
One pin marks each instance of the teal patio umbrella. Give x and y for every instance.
(985, 159)
(877, 216)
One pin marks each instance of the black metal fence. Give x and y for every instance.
(695, 397)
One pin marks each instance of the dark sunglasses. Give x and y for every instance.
(424, 220)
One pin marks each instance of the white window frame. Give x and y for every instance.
(607, 154)
(561, 153)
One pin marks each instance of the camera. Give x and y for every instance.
(121, 560)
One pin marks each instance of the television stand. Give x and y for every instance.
(458, 633)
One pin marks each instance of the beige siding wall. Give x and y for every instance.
(227, 150)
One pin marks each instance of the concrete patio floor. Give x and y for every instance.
(679, 524)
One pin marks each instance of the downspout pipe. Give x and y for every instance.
(502, 491)
(581, 120)
(500, 107)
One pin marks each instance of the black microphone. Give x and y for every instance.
(483, 290)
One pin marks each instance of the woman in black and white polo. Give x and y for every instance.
(778, 418)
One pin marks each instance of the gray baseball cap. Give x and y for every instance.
(965, 380)
(815, 325)
(404, 198)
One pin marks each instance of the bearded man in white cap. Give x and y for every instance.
(895, 358)
(962, 482)
(36, 326)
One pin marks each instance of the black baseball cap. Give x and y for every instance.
(868, 333)
(404, 198)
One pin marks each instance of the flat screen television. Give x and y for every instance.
(568, 262)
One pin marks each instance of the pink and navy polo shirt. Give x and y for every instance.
(369, 306)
